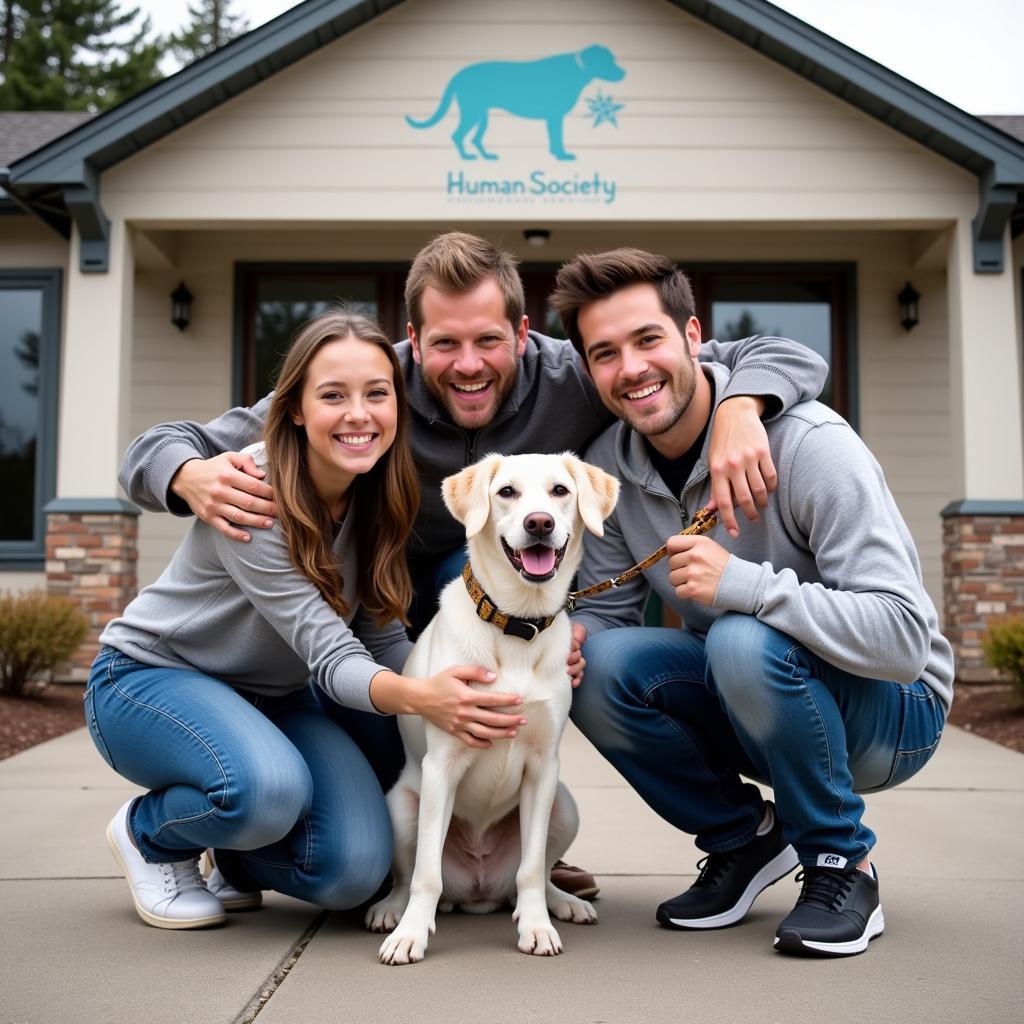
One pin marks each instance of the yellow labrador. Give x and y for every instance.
(524, 517)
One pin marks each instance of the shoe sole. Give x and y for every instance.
(152, 919)
(777, 868)
(790, 940)
(249, 901)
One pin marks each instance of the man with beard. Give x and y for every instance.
(478, 381)
(810, 656)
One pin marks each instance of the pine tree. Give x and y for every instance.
(212, 25)
(74, 54)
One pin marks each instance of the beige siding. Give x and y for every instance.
(904, 378)
(710, 130)
(15, 582)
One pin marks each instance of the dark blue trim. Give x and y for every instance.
(970, 507)
(91, 507)
(31, 554)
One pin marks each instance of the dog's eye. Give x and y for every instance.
(559, 490)
(507, 492)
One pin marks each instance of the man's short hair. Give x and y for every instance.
(592, 276)
(455, 263)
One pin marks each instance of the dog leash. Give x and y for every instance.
(702, 522)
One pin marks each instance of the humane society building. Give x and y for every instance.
(808, 191)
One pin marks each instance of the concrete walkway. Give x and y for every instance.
(950, 857)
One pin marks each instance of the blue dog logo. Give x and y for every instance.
(542, 90)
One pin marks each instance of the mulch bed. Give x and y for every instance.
(26, 721)
(990, 711)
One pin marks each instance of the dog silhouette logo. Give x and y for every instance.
(541, 90)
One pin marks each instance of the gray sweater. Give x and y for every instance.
(553, 407)
(831, 562)
(243, 613)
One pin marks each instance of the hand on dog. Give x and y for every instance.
(449, 703)
(695, 566)
(227, 492)
(576, 663)
(742, 470)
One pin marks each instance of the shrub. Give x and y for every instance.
(37, 633)
(1003, 644)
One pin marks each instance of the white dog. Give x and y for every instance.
(524, 516)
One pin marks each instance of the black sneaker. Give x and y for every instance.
(837, 913)
(729, 882)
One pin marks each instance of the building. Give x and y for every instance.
(804, 186)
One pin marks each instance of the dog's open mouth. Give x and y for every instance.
(537, 563)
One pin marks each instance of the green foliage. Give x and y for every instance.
(38, 632)
(74, 54)
(1003, 644)
(211, 25)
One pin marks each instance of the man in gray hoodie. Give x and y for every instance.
(809, 657)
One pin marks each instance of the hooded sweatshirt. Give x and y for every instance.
(831, 562)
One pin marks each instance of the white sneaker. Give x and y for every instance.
(165, 895)
(230, 897)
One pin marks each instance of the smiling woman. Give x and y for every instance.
(201, 693)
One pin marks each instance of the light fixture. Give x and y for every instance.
(181, 306)
(908, 307)
(537, 236)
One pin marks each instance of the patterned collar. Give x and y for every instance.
(510, 625)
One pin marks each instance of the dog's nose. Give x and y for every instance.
(540, 524)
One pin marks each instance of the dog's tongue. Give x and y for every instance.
(538, 560)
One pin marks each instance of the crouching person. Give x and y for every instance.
(810, 656)
(200, 694)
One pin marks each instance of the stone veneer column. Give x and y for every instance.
(982, 576)
(91, 557)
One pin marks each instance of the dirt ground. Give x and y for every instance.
(988, 711)
(26, 721)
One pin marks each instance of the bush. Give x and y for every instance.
(37, 633)
(1003, 644)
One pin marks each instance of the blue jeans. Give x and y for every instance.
(280, 792)
(682, 717)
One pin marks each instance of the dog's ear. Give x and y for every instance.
(596, 493)
(466, 493)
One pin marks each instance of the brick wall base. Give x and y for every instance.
(983, 579)
(92, 558)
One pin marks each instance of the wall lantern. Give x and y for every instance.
(908, 306)
(537, 236)
(181, 307)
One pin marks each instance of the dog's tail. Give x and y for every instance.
(442, 109)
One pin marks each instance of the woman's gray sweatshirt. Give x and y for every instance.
(831, 562)
(243, 613)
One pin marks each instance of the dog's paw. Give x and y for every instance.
(571, 908)
(403, 947)
(384, 916)
(539, 940)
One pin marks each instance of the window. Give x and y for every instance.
(811, 304)
(29, 333)
(277, 300)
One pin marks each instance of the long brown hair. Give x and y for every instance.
(386, 498)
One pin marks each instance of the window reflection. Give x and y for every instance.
(21, 323)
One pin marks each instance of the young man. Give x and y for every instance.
(810, 658)
(478, 381)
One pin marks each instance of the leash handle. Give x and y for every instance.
(703, 522)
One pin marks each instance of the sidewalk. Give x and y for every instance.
(950, 858)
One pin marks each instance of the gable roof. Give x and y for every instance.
(60, 181)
